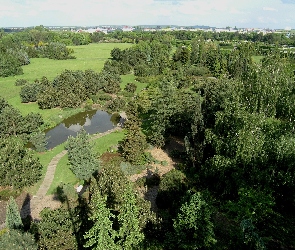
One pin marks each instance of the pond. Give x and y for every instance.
(93, 121)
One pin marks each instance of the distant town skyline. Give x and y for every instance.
(272, 14)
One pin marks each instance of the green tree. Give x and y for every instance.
(102, 235)
(133, 145)
(130, 87)
(129, 234)
(110, 82)
(16, 240)
(81, 157)
(29, 92)
(193, 226)
(116, 54)
(13, 123)
(39, 140)
(18, 167)
(13, 219)
(58, 229)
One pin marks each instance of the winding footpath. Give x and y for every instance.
(41, 200)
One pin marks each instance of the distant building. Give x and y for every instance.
(127, 28)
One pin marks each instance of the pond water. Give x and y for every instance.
(93, 121)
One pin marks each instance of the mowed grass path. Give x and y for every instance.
(90, 56)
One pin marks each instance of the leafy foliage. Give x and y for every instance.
(39, 140)
(130, 87)
(81, 157)
(13, 220)
(29, 92)
(133, 145)
(101, 235)
(130, 235)
(172, 187)
(193, 226)
(19, 168)
(17, 240)
(57, 229)
(9, 65)
(13, 123)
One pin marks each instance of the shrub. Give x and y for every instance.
(29, 92)
(130, 87)
(9, 65)
(39, 140)
(66, 192)
(15, 239)
(116, 105)
(110, 82)
(172, 187)
(20, 82)
(58, 51)
(6, 193)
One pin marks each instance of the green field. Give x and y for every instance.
(131, 78)
(90, 56)
(257, 59)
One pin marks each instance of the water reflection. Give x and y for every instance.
(92, 121)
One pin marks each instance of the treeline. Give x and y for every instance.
(17, 48)
(70, 89)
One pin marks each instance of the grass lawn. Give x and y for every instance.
(45, 158)
(102, 144)
(257, 59)
(90, 56)
(131, 78)
(63, 174)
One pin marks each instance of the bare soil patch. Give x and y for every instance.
(162, 155)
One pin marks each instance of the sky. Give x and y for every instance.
(273, 14)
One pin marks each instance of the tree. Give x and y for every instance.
(130, 87)
(57, 229)
(172, 187)
(116, 54)
(16, 240)
(39, 140)
(193, 226)
(81, 157)
(18, 167)
(110, 82)
(13, 219)
(13, 123)
(9, 65)
(102, 235)
(29, 92)
(130, 235)
(134, 143)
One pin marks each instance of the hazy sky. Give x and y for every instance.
(218, 13)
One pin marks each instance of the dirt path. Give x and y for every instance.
(40, 201)
(150, 194)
